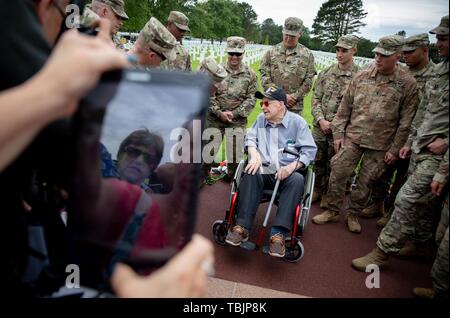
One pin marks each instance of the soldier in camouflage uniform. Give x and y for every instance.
(439, 271)
(153, 45)
(289, 65)
(113, 10)
(374, 117)
(178, 25)
(328, 91)
(416, 55)
(235, 101)
(217, 73)
(414, 203)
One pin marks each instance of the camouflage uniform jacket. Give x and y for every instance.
(182, 62)
(422, 76)
(292, 69)
(328, 91)
(376, 110)
(236, 93)
(431, 119)
(441, 174)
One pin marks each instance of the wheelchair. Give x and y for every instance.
(294, 247)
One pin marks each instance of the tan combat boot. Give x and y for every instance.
(353, 223)
(374, 210)
(325, 217)
(376, 257)
(428, 293)
(384, 219)
(316, 196)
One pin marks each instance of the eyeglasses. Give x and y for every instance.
(134, 153)
(267, 103)
(234, 54)
(163, 58)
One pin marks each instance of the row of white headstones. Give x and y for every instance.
(199, 50)
(254, 53)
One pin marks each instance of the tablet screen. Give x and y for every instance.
(139, 167)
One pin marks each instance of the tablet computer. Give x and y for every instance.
(138, 169)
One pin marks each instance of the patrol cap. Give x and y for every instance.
(179, 19)
(347, 42)
(293, 26)
(389, 45)
(118, 6)
(235, 44)
(416, 41)
(274, 93)
(155, 36)
(442, 28)
(216, 71)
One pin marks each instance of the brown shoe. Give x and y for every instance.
(428, 293)
(384, 219)
(277, 247)
(316, 197)
(376, 257)
(353, 223)
(325, 217)
(237, 235)
(373, 211)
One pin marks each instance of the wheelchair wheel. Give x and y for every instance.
(293, 254)
(220, 231)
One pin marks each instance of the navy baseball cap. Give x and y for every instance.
(274, 93)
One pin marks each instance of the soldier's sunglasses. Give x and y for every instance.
(134, 153)
(234, 54)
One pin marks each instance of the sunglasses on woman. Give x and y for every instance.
(134, 153)
(234, 54)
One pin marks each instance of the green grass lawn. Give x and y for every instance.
(257, 109)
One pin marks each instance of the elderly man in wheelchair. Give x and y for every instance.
(269, 167)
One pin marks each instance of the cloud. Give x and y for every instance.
(384, 16)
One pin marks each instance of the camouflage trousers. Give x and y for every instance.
(413, 207)
(343, 164)
(439, 271)
(234, 135)
(325, 151)
(383, 190)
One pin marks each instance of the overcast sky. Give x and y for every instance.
(384, 16)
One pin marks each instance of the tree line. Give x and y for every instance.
(217, 19)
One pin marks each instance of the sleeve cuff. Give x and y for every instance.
(338, 135)
(440, 178)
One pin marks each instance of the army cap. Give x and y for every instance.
(416, 41)
(442, 28)
(118, 6)
(389, 45)
(216, 71)
(274, 93)
(293, 26)
(235, 44)
(180, 20)
(347, 42)
(155, 36)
